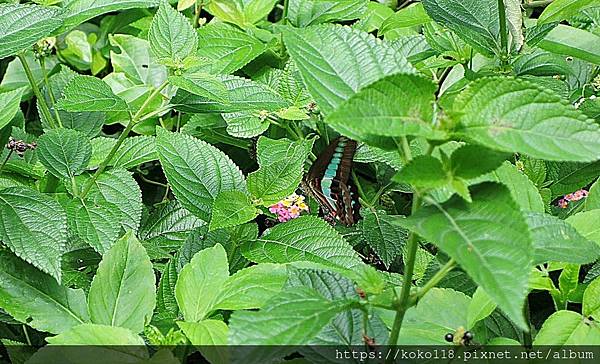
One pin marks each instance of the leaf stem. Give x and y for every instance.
(132, 122)
(361, 192)
(36, 91)
(286, 5)
(74, 186)
(503, 32)
(402, 303)
(437, 277)
(49, 90)
(197, 11)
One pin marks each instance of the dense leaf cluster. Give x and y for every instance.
(146, 141)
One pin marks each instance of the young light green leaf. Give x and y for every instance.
(210, 337)
(135, 59)
(200, 283)
(559, 10)
(64, 152)
(244, 94)
(586, 224)
(591, 300)
(409, 16)
(386, 239)
(133, 152)
(96, 224)
(251, 287)
(523, 191)
(491, 113)
(79, 11)
(480, 307)
(574, 42)
(202, 84)
(87, 93)
(592, 202)
(302, 13)
(166, 303)
(196, 171)
(336, 61)
(171, 35)
(9, 105)
(488, 238)
(398, 105)
(123, 291)
(306, 238)
(240, 12)
(21, 25)
(231, 208)
(567, 328)
(228, 47)
(34, 227)
(36, 299)
(246, 124)
(100, 335)
(555, 240)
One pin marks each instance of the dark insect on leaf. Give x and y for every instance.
(329, 182)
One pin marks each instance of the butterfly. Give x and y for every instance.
(328, 181)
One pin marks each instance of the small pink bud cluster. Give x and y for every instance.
(289, 208)
(575, 196)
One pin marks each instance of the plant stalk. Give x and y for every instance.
(197, 11)
(286, 5)
(537, 4)
(132, 122)
(49, 90)
(503, 32)
(437, 277)
(6, 160)
(36, 91)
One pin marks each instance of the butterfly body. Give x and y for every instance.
(329, 182)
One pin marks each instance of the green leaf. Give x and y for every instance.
(586, 224)
(123, 291)
(374, 110)
(22, 25)
(592, 202)
(99, 335)
(336, 61)
(302, 13)
(464, 165)
(118, 187)
(492, 114)
(168, 226)
(475, 21)
(171, 35)
(488, 238)
(196, 171)
(573, 42)
(306, 238)
(426, 323)
(240, 12)
(386, 238)
(294, 317)
(200, 282)
(79, 11)
(541, 63)
(277, 180)
(480, 307)
(567, 328)
(166, 303)
(64, 152)
(251, 287)
(87, 93)
(423, 172)
(136, 61)
(246, 124)
(556, 240)
(244, 94)
(562, 9)
(15, 76)
(227, 47)
(96, 224)
(9, 105)
(133, 152)
(523, 191)
(409, 16)
(201, 84)
(35, 298)
(231, 208)
(591, 300)
(34, 227)
(210, 336)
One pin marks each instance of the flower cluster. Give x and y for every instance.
(19, 146)
(289, 208)
(575, 196)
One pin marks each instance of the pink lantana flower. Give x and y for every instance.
(289, 208)
(563, 203)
